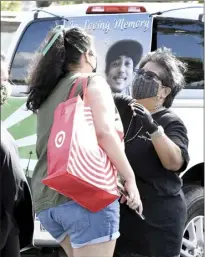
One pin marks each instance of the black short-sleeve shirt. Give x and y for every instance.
(144, 159)
(160, 189)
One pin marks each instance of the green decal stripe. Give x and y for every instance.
(25, 150)
(11, 106)
(24, 128)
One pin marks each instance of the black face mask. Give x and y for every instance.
(144, 85)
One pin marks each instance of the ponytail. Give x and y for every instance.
(51, 63)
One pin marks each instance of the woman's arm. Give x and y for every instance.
(101, 102)
(168, 152)
(100, 99)
(171, 146)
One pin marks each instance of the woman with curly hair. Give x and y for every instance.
(68, 54)
(156, 145)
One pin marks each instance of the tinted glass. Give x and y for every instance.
(29, 44)
(186, 39)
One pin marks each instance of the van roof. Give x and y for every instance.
(80, 10)
(151, 7)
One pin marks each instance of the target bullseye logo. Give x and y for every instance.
(60, 138)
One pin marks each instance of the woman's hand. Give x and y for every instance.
(145, 117)
(168, 152)
(133, 199)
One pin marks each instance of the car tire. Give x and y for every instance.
(193, 240)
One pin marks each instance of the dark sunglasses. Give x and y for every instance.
(148, 74)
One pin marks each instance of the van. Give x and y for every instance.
(178, 26)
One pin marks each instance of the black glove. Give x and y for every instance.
(145, 116)
(122, 103)
(121, 99)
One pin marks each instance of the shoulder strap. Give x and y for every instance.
(83, 82)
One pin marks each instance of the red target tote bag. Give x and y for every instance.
(77, 167)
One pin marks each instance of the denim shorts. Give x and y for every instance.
(82, 226)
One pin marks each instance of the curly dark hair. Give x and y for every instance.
(174, 71)
(47, 69)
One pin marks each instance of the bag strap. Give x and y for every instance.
(79, 80)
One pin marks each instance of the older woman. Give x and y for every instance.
(16, 213)
(156, 146)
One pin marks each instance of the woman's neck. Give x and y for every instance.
(150, 106)
(76, 70)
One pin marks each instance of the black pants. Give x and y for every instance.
(12, 247)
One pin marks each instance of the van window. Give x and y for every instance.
(186, 39)
(29, 44)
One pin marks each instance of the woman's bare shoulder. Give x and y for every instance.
(99, 83)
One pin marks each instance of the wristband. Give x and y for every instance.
(152, 128)
(158, 133)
